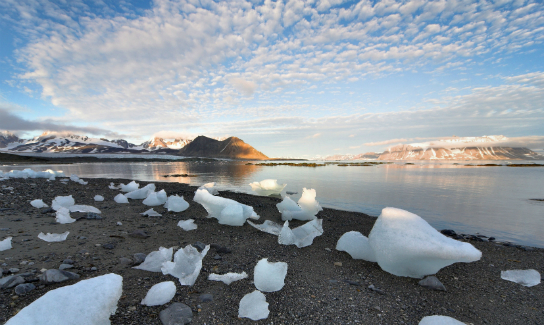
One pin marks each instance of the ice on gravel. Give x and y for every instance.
(226, 211)
(5, 244)
(187, 264)
(120, 198)
(38, 204)
(526, 278)
(253, 306)
(154, 260)
(356, 245)
(151, 213)
(88, 302)
(29, 173)
(439, 320)
(227, 278)
(269, 277)
(63, 216)
(160, 294)
(132, 186)
(267, 187)
(156, 198)
(141, 193)
(98, 198)
(62, 201)
(52, 238)
(83, 208)
(210, 187)
(176, 203)
(268, 226)
(187, 225)
(306, 209)
(301, 236)
(112, 186)
(75, 178)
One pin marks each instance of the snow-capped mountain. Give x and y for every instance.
(157, 143)
(361, 156)
(6, 138)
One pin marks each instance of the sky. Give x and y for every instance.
(291, 78)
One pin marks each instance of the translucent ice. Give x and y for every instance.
(187, 264)
(88, 302)
(83, 208)
(439, 320)
(269, 277)
(53, 237)
(526, 278)
(151, 213)
(120, 198)
(210, 187)
(268, 226)
(160, 294)
(62, 201)
(132, 186)
(29, 173)
(187, 224)
(406, 245)
(306, 209)
(76, 179)
(253, 306)
(63, 216)
(141, 193)
(98, 198)
(38, 204)
(267, 187)
(226, 211)
(154, 260)
(227, 278)
(176, 204)
(301, 236)
(112, 186)
(356, 245)
(155, 198)
(5, 244)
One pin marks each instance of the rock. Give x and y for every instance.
(220, 249)
(47, 210)
(139, 234)
(432, 282)
(176, 314)
(24, 288)
(199, 246)
(11, 281)
(68, 261)
(109, 246)
(13, 270)
(139, 258)
(94, 268)
(207, 297)
(126, 261)
(64, 266)
(448, 232)
(55, 276)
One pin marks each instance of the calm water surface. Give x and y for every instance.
(494, 201)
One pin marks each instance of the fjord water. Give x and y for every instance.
(493, 201)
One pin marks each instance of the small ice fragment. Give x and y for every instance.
(160, 294)
(356, 245)
(176, 204)
(267, 187)
(151, 213)
(268, 226)
(132, 186)
(112, 186)
(155, 198)
(210, 187)
(526, 278)
(187, 224)
(82, 182)
(253, 306)
(439, 320)
(74, 178)
(98, 198)
(269, 277)
(120, 198)
(227, 278)
(306, 209)
(63, 216)
(52, 238)
(38, 204)
(83, 208)
(226, 211)
(141, 193)
(301, 236)
(154, 260)
(5, 244)
(187, 264)
(119, 223)
(62, 201)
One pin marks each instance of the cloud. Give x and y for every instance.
(174, 135)
(246, 88)
(382, 143)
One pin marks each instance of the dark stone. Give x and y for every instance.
(491, 238)
(68, 261)
(176, 314)
(11, 281)
(139, 234)
(24, 288)
(139, 258)
(199, 246)
(55, 276)
(125, 261)
(448, 232)
(206, 297)
(109, 246)
(47, 210)
(220, 249)
(432, 282)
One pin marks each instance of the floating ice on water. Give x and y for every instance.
(112, 186)
(176, 204)
(98, 198)
(268, 226)
(210, 187)
(38, 204)
(253, 306)
(267, 187)
(526, 278)
(187, 264)
(306, 209)
(120, 198)
(62, 202)
(226, 211)
(356, 245)
(187, 224)
(5, 244)
(439, 320)
(301, 236)
(52, 238)
(141, 193)
(29, 173)
(88, 302)
(151, 213)
(63, 216)
(83, 208)
(154, 260)
(227, 278)
(160, 294)
(132, 186)
(155, 198)
(269, 277)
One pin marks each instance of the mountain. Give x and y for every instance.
(361, 156)
(232, 148)
(157, 143)
(6, 138)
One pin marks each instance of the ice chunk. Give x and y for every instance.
(439, 320)
(306, 209)
(53, 237)
(62, 201)
(88, 302)
(5, 244)
(83, 208)
(187, 224)
(268, 226)
(253, 306)
(406, 245)
(267, 187)
(210, 187)
(160, 294)
(151, 213)
(120, 198)
(301, 236)
(112, 186)
(526, 278)
(187, 264)
(227, 278)
(63, 216)
(226, 211)
(176, 204)
(154, 260)
(269, 277)
(98, 198)
(142, 193)
(38, 204)
(356, 245)
(155, 198)
(132, 186)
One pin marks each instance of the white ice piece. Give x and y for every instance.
(151, 213)
(112, 186)
(210, 187)
(98, 198)
(253, 306)
(88, 302)
(301, 236)
(120, 198)
(5, 244)
(187, 225)
(267, 187)
(226, 211)
(62, 201)
(63, 216)
(527, 278)
(439, 320)
(141, 193)
(38, 204)
(132, 186)
(160, 294)
(187, 264)
(53, 238)
(306, 209)
(227, 278)
(154, 260)
(176, 204)
(356, 245)
(155, 198)
(269, 277)
(268, 226)
(83, 208)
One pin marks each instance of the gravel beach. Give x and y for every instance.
(322, 286)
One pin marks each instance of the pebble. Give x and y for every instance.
(220, 249)
(65, 266)
(14, 270)
(139, 234)
(11, 281)
(199, 246)
(206, 297)
(109, 246)
(176, 314)
(432, 282)
(55, 276)
(94, 268)
(24, 288)
(139, 258)
(125, 261)
(68, 261)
